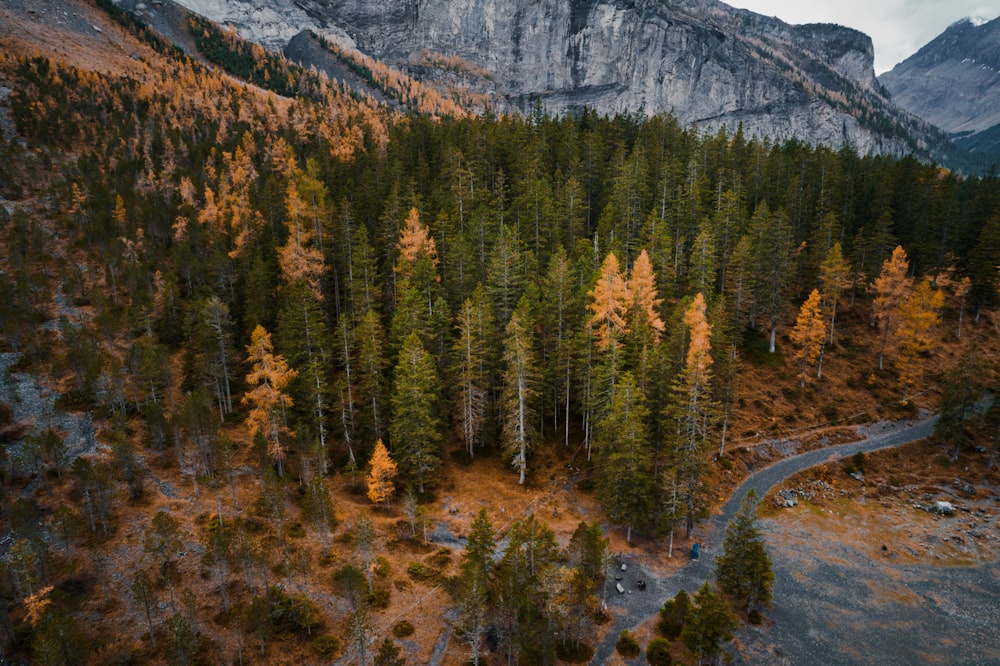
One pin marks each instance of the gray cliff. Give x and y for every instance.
(701, 59)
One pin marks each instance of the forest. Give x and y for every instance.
(279, 292)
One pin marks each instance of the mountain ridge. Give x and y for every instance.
(953, 81)
(703, 61)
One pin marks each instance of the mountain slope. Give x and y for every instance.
(954, 83)
(702, 60)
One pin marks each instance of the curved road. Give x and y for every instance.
(696, 572)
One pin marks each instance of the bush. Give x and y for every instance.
(402, 629)
(627, 646)
(658, 652)
(326, 645)
(754, 617)
(379, 598)
(422, 572)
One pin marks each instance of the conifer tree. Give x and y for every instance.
(610, 305)
(833, 273)
(690, 411)
(809, 335)
(369, 343)
(892, 287)
(269, 376)
(475, 580)
(744, 569)
(626, 485)
(415, 426)
(519, 391)
(382, 475)
(918, 314)
(469, 389)
(709, 624)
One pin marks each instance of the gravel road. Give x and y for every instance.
(633, 612)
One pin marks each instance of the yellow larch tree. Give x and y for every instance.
(642, 291)
(610, 304)
(414, 241)
(381, 478)
(918, 314)
(298, 258)
(809, 335)
(267, 400)
(892, 287)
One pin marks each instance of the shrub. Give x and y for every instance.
(422, 572)
(326, 645)
(658, 652)
(379, 598)
(627, 646)
(754, 617)
(402, 629)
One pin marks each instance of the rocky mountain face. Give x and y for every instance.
(701, 59)
(954, 83)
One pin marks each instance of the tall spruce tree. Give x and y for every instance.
(519, 391)
(415, 426)
(744, 568)
(626, 485)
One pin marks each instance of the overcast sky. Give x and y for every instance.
(897, 27)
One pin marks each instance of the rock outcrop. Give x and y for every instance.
(701, 59)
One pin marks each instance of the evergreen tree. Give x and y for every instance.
(519, 391)
(469, 388)
(833, 274)
(626, 485)
(415, 425)
(674, 615)
(744, 569)
(709, 624)
(690, 411)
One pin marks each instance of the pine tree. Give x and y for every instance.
(475, 580)
(744, 569)
(269, 375)
(709, 624)
(833, 274)
(469, 389)
(519, 392)
(626, 485)
(415, 426)
(892, 287)
(809, 335)
(382, 475)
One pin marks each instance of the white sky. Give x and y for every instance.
(897, 27)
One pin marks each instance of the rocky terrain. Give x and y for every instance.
(701, 59)
(954, 83)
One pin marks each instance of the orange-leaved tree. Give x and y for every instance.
(269, 376)
(918, 314)
(382, 476)
(809, 335)
(892, 287)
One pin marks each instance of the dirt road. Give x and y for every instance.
(633, 610)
